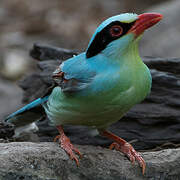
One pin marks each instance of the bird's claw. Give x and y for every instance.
(131, 153)
(68, 147)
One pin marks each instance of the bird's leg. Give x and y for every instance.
(66, 145)
(126, 148)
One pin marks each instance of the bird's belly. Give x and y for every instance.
(97, 111)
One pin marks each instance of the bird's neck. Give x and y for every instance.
(124, 51)
(131, 55)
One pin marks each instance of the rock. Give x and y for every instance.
(26, 133)
(6, 131)
(44, 52)
(47, 161)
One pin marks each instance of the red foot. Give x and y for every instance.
(66, 145)
(131, 153)
(124, 147)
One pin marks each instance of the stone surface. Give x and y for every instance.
(46, 161)
(6, 131)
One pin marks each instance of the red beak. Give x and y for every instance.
(144, 22)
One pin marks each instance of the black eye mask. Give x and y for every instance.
(104, 37)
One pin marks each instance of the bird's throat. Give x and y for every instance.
(131, 56)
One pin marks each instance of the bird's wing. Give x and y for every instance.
(40, 83)
(75, 74)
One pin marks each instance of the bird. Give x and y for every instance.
(98, 87)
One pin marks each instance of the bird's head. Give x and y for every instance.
(115, 34)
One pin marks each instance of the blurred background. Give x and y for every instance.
(70, 24)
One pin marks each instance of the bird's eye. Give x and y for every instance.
(116, 31)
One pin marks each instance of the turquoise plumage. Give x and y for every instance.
(97, 87)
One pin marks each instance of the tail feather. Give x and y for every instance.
(28, 114)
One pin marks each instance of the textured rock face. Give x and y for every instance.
(46, 161)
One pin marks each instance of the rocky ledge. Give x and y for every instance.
(46, 161)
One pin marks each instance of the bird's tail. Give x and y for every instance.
(28, 114)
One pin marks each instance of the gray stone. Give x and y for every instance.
(47, 161)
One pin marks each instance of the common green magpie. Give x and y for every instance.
(97, 87)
